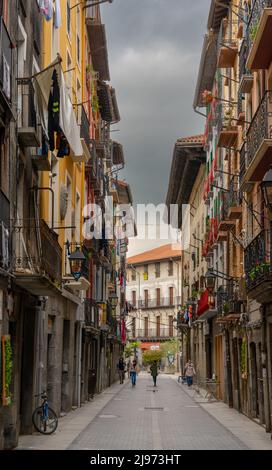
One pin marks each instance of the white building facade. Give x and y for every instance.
(154, 290)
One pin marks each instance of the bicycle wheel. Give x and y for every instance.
(44, 426)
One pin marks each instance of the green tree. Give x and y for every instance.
(152, 356)
(170, 347)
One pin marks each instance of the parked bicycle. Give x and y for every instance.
(44, 418)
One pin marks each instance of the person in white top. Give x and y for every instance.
(189, 372)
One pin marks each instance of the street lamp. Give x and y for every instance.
(210, 279)
(266, 187)
(113, 299)
(76, 260)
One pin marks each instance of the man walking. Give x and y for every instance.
(154, 372)
(121, 369)
(133, 373)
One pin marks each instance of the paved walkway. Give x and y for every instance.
(166, 418)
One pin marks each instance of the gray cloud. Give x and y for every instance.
(154, 52)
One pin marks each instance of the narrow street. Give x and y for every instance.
(166, 418)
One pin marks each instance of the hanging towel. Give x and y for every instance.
(57, 22)
(46, 7)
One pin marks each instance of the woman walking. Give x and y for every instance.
(133, 372)
(189, 372)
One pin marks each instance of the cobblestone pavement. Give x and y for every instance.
(172, 417)
(146, 418)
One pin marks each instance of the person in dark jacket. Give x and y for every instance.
(121, 369)
(154, 372)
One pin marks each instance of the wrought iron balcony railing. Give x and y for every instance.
(4, 232)
(161, 302)
(228, 298)
(90, 313)
(258, 260)
(84, 125)
(232, 198)
(242, 162)
(153, 333)
(260, 127)
(254, 19)
(28, 135)
(36, 250)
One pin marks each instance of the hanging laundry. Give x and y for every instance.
(53, 111)
(46, 7)
(57, 21)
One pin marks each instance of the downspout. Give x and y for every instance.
(79, 364)
(264, 369)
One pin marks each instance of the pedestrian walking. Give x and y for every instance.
(121, 369)
(133, 372)
(154, 372)
(189, 372)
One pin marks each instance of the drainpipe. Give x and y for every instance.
(228, 364)
(264, 369)
(79, 364)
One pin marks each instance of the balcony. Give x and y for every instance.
(153, 334)
(227, 45)
(259, 140)
(229, 299)
(245, 75)
(227, 125)
(37, 260)
(28, 135)
(4, 232)
(90, 315)
(163, 302)
(225, 224)
(258, 268)
(84, 124)
(92, 168)
(233, 206)
(260, 33)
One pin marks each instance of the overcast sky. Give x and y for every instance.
(154, 51)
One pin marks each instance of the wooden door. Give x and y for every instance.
(158, 326)
(158, 297)
(219, 367)
(146, 326)
(171, 329)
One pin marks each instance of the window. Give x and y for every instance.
(134, 298)
(158, 326)
(133, 275)
(146, 326)
(171, 295)
(158, 297)
(146, 272)
(78, 36)
(157, 269)
(170, 268)
(146, 298)
(68, 13)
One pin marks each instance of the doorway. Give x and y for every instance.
(254, 382)
(219, 369)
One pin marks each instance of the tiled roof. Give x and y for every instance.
(194, 139)
(163, 252)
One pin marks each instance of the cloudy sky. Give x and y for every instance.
(154, 51)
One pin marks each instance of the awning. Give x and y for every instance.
(117, 154)
(203, 303)
(107, 103)
(150, 346)
(98, 46)
(68, 122)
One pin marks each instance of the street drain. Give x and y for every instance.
(108, 416)
(154, 408)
